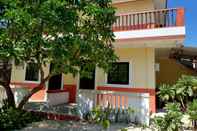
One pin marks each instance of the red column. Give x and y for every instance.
(152, 102)
(72, 89)
(180, 20)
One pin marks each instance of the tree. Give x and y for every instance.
(68, 33)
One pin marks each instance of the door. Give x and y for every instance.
(55, 82)
(87, 83)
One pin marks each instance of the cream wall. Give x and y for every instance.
(18, 73)
(134, 6)
(142, 67)
(69, 79)
(142, 72)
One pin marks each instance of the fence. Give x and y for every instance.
(117, 100)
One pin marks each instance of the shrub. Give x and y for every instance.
(13, 118)
(183, 91)
(192, 111)
(171, 121)
(106, 116)
(100, 116)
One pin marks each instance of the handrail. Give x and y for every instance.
(150, 19)
(147, 11)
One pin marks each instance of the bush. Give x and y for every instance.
(192, 111)
(100, 116)
(172, 119)
(183, 91)
(12, 118)
(106, 116)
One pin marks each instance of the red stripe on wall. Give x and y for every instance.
(56, 91)
(39, 96)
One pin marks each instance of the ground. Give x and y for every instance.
(49, 125)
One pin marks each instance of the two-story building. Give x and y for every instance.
(142, 28)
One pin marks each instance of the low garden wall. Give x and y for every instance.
(55, 116)
(57, 97)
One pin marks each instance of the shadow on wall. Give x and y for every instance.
(171, 70)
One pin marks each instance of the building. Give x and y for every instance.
(142, 28)
(176, 62)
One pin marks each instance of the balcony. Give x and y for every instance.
(150, 20)
(150, 28)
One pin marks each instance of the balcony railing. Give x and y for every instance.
(150, 19)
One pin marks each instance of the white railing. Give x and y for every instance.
(117, 100)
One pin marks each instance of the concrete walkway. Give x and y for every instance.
(76, 126)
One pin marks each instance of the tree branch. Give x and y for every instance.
(33, 91)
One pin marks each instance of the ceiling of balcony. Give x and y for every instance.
(160, 4)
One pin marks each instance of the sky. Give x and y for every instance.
(190, 19)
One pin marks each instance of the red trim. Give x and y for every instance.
(40, 95)
(72, 89)
(56, 91)
(133, 90)
(151, 91)
(153, 38)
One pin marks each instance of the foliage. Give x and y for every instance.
(124, 129)
(166, 92)
(185, 89)
(182, 91)
(100, 116)
(172, 119)
(192, 110)
(105, 116)
(131, 110)
(12, 118)
(70, 34)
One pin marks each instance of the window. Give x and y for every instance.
(32, 72)
(119, 73)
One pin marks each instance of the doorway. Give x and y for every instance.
(87, 83)
(55, 82)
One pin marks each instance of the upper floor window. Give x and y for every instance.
(119, 74)
(32, 72)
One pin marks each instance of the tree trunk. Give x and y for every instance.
(5, 76)
(10, 95)
(33, 91)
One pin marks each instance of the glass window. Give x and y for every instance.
(32, 72)
(119, 74)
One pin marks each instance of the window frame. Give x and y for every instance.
(121, 85)
(30, 81)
